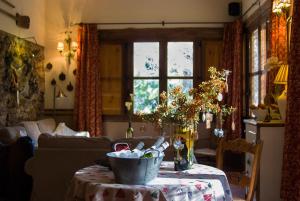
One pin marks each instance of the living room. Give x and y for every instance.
(67, 40)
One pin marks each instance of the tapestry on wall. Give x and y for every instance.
(22, 79)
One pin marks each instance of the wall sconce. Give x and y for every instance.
(280, 6)
(71, 49)
(60, 94)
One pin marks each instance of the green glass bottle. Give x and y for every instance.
(129, 132)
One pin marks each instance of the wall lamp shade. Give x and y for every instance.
(282, 75)
(282, 78)
(280, 5)
(60, 94)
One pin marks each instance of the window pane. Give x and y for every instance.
(263, 46)
(254, 51)
(180, 59)
(263, 87)
(186, 84)
(254, 90)
(146, 59)
(146, 93)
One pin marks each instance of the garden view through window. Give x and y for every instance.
(148, 75)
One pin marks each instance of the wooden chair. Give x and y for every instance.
(207, 155)
(241, 180)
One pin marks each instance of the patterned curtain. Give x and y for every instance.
(232, 60)
(278, 46)
(290, 184)
(88, 111)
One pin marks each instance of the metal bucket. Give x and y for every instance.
(134, 170)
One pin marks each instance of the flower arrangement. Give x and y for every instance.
(184, 110)
(271, 63)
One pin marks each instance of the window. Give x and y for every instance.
(180, 65)
(148, 61)
(258, 57)
(149, 76)
(146, 76)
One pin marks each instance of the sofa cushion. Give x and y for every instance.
(64, 130)
(9, 135)
(32, 129)
(46, 125)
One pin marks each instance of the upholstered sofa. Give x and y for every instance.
(17, 144)
(15, 150)
(57, 158)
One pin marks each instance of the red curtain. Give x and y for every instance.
(278, 46)
(88, 111)
(232, 60)
(290, 188)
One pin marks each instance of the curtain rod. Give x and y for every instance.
(163, 23)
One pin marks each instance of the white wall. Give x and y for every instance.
(60, 14)
(35, 9)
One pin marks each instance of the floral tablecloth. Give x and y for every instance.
(201, 183)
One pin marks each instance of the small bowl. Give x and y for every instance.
(260, 114)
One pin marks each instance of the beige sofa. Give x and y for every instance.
(57, 159)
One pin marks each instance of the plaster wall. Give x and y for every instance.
(61, 14)
(35, 9)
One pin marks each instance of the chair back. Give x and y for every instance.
(241, 179)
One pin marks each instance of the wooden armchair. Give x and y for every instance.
(241, 180)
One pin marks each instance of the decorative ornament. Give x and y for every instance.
(70, 87)
(232, 123)
(209, 118)
(53, 82)
(203, 116)
(233, 126)
(49, 66)
(226, 72)
(220, 97)
(62, 76)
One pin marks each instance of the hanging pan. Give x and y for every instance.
(21, 21)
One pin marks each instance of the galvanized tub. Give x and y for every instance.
(137, 171)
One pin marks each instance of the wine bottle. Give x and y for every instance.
(137, 151)
(139, 146)
(158, 142)
(158, 152)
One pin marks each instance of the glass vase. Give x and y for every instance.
(183, 142)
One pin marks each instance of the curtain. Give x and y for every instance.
(88, 111)
(232, 61)
(290, 184)
(278, 46)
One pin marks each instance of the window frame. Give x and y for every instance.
(255, 21)
(127, 37)
(163, 65)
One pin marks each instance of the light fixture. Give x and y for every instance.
(280, 6)
(282, 78)
(71, 49)
(60, 94)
